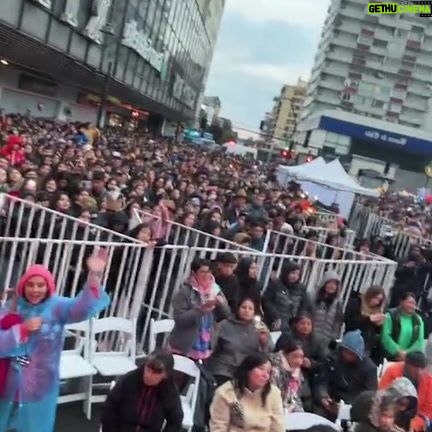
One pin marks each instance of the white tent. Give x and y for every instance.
(329, 183)
(288, 173)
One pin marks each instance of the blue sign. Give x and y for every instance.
(385, 138)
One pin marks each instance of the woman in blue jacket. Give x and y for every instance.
(29, 392)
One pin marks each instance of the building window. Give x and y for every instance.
(346, 96)
(379, 43)
(377, 104)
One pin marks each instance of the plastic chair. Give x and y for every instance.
(110, 363)
(157, 328)
(74, 363)
(188, 367)
(275, 335)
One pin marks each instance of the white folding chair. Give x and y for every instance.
(74, 363)
(157, 328)
(275, 335)
(109, 363)
(188, 367)
(344, 413)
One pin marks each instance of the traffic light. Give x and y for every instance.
(287, 154)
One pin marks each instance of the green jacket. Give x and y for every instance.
(404, 334)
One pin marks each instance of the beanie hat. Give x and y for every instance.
(353, 341)
(37, 270)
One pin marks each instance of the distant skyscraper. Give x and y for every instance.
(379, 66)
(286, 110)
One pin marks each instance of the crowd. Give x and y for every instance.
(223, 315)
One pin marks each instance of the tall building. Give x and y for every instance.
(286, 110)
(211, 106)
(378, 66)
(144, 62)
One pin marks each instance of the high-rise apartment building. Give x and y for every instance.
(286, 110)
(378, 66)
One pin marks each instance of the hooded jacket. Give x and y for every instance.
(283, 300)
(344, 381)
(328, 312)
(36, 385)
(424, 390)
(132, 406)
(365, 404)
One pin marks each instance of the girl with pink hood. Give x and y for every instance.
(31, 340)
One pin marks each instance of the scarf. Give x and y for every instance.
(201, 346)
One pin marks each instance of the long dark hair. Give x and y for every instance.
(241, 376)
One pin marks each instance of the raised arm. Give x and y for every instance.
(92, 299)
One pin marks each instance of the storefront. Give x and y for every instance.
(153, 56)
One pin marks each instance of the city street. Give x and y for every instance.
(70, 418)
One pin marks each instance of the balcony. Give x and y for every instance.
(354, 13)
(331, 85)
(419, 105)
(344, 58)
(417, 120)
(345, 41)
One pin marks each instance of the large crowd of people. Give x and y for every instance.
(325, 354)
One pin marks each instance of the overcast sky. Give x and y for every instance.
(262, 45)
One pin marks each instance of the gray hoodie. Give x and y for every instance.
(328, 313)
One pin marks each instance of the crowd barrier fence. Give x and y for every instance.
(141, 280)
(324, 232)
(369, 225)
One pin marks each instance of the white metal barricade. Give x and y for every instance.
(182, 235)
(324, 232)
(369, 224)
(27, 220)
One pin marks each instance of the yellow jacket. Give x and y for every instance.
(256, 417)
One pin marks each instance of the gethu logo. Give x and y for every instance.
(423, 9)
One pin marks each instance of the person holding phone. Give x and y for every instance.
(194, 308)
(33, 344)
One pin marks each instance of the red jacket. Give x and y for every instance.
(15, 156)
(424, 390)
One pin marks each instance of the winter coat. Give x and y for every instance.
(328, 313)
(363, 404)
(132, 406)
(344, 381)
(187, 315)
(409, 336)
(424, 390)
(233, 342)
(283, 300)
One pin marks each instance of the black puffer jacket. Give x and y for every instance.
(283, 300)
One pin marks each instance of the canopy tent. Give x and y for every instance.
(301, 170)
(332, 175)
(329, 183)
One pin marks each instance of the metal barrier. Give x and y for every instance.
(24, 219)
(284, 243)
(369, 224)
(182, 235)
(324, 232)
(141, 280)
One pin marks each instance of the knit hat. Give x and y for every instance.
(37, 270)
(353, 341)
